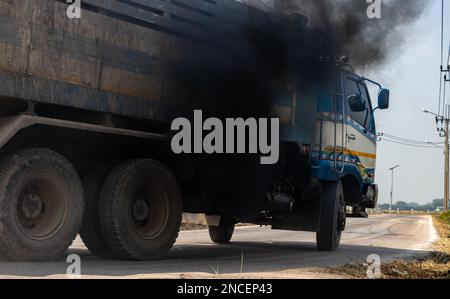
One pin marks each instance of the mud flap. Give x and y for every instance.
(304, 217)
(370, 200)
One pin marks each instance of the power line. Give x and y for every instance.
(408, 144)
(408, 140)
(394, 128)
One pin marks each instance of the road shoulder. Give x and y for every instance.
(435, 265)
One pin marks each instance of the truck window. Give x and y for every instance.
(369, 125)
(351, 88)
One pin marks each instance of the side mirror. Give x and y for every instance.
(383, 98)
(356, 103)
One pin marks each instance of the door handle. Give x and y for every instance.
(351, 136)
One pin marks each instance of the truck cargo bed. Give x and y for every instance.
(115, 59)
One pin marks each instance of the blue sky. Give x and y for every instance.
(412, 74)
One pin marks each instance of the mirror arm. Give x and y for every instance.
(375, 109)
(371, 81)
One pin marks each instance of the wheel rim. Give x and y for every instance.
(149, 211)
(341, 214)
(41, 207)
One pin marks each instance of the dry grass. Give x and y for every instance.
(188, 226)
(395, 212)
(434, 266)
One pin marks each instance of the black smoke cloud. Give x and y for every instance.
(240, 72)
(236, 80)
(349, 31)
(245, 61)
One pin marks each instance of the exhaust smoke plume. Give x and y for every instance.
(245, 68)
(349, 30)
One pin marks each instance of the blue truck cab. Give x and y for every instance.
(334, 124)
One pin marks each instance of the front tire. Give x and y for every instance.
(223, 233)
(332, 216)
(141, 210)
(41, 205)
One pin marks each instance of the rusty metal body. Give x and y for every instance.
(116, 58)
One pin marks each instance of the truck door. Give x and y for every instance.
(361, 136)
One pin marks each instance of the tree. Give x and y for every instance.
(406, 206)
(400, 205)
(437, 203)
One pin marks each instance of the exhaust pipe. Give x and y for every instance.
(280, 202)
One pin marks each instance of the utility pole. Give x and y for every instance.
(446, 175)
(444, 132)
(446, 120)
(392, 186)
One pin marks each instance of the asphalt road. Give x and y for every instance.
(257, 252)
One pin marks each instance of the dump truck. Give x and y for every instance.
(86, 104)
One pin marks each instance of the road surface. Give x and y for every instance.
(254, 253)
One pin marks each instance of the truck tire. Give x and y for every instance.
(41, 205)
(359, 212)
(332, 216)
(222, 234)
(141, 210)
(90, 231)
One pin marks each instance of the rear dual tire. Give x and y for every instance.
(90, 231)
(140, 210)
(41, 205)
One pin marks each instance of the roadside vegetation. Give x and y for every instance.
(434, 266)
(435, 205)
(189, 226)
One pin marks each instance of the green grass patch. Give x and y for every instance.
(445, 217)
